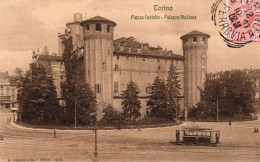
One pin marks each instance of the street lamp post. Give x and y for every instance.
(75, 115)
(96, 150)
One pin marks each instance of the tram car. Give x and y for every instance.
(197, 136)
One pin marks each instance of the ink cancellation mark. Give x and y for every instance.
(238, 21)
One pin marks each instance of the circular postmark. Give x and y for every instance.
(238, 21)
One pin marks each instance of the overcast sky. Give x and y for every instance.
(31, 24)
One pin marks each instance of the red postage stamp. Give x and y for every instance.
(238, 21)
(244, 20)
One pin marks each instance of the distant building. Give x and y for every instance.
(110, 64)
(8, 92)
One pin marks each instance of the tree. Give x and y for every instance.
(74, 90)
(37, 97)
(158, 101)
(233, 90)
(131, 105)
(110, 115)
(173, 93)
(85, 103)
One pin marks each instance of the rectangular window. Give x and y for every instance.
(117, 57)
(116, 67)
(98, 88)
(115, 87)
(204, 39)
(98, 27)
(149, 88)
(87, 27)
(108, 51)
(61, 77)
(158, 60)
(186, 41)
(159, 68)
(195, 39)
(108, 28)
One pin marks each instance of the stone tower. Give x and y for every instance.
(74, 30)
(195, 45)
(98, 34)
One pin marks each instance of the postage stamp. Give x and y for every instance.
(238, 21)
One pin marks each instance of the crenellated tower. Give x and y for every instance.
(195, 46)
(98, 34)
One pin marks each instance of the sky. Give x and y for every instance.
(30, 24)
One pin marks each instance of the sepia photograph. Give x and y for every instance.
(136, 80)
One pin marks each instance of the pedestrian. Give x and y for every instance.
(54, 133)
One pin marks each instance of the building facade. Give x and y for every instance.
(110, 64)
(8, 92)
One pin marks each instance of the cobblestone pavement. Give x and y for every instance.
(238, 143)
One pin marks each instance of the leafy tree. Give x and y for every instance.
(74, 90)
(158, 101)
(110, 115)
(173, 93)
(233, 90)
(37, 97)
(131, 105)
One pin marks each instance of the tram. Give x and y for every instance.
(197, 136)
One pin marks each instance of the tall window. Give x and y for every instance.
(116, 67)
(98, 27)
(115, 87)
(87, 27)
(149, 88)
(117, 57)
(98, 88)
(7, 91)
(195, 39)
(108, 51)
(204, 39)
(159, 68)
(108, 28)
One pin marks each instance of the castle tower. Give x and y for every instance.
(74, 30)
(98, 44)
(195, 45)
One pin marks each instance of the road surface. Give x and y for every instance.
(238, 143)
